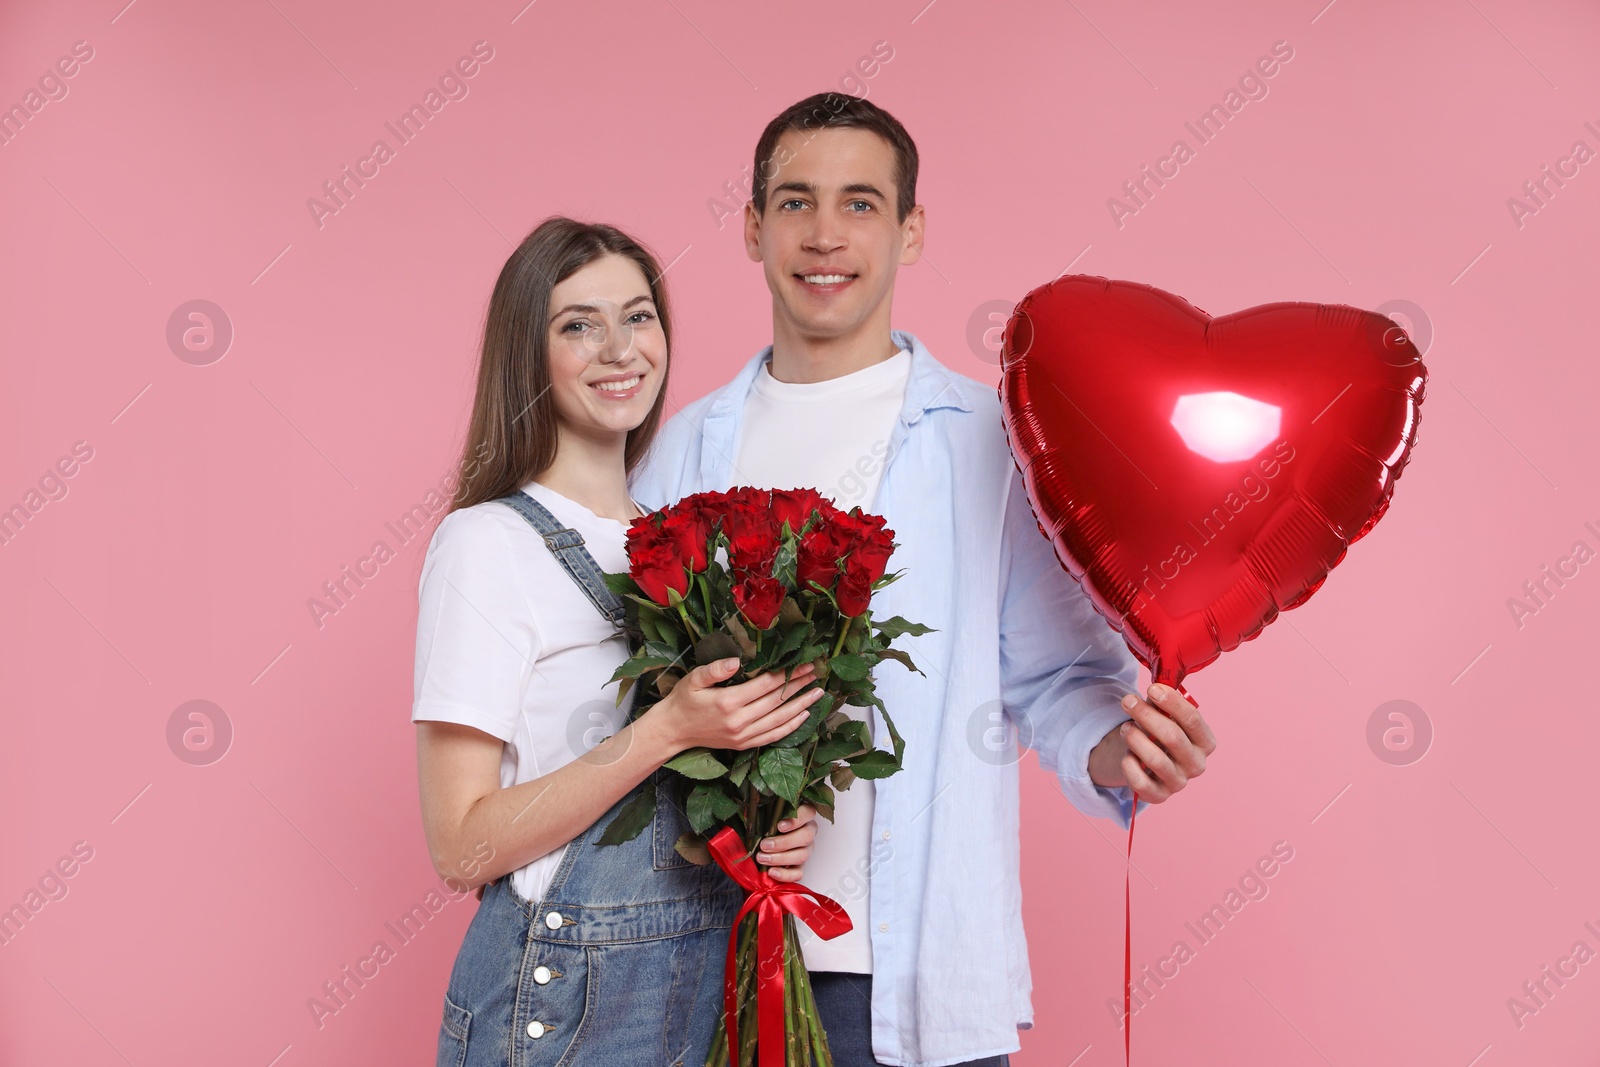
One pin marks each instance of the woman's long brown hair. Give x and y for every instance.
(512, 437)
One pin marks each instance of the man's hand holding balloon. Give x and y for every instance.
(1159, 751)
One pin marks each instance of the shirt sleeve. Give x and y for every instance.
(1063, 669)
(477, 639)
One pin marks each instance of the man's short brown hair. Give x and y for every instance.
(838, 111)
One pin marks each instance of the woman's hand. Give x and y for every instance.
(698, 713)
(784, 854)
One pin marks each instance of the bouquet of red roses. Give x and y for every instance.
(777, 578)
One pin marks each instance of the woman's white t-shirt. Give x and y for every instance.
(509, 644)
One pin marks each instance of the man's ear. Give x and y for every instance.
(752, 231)
(911, 236)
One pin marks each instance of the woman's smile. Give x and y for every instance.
(620, 386)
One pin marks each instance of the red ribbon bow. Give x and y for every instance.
(769, 898)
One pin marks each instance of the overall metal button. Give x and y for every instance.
(553, 920)
(541, 975)
(537, 1029)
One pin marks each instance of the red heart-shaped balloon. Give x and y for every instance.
(1199, 475)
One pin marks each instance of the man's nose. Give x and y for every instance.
(826, 235)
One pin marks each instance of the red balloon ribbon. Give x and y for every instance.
(1127, 924)
(769, 899)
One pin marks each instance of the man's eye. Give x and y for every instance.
(864, 205)
(788, 204)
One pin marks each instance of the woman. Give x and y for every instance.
(578, 953)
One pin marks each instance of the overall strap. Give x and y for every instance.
(566, 545)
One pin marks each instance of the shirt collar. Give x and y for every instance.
(931, 384)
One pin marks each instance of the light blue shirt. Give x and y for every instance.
(1015, 635)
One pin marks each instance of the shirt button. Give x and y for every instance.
(541, 975)
(553, 920)
(883, 926)
(536, 1029)
(886, 835)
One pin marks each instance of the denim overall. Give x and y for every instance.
(621, 963)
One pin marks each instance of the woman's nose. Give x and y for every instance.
(611, 343)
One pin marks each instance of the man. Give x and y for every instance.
(935, 971)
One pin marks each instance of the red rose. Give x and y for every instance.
(747, 498)
(818, 558)
(708, 509)
(759, 598)
(794, 506)
(854, 594)
(872, 548)
(655, 561)
(658, 568)
(690, 534)
(753, 539)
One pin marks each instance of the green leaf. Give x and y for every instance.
(849, 667)
(784, 770)
(741, 766)
(792, 639)
(665, 680)
(894, 735)
(847, 739)
(874, 764)
(724, 805)
(693, 848)
(634, 666)
(741, 636)
(858, 731)
(841, 776)
(621, 583)
(892, 628)
(789, 612)
(808, 729)
(660, 649)
(633, 817)
(783, 567)
(713, 647)
(697, 763)
(899, 656)
(701, 806)
(820, 795)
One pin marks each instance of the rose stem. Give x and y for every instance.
(845, 630)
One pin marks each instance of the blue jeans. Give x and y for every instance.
(620, 965)
(844, 1002)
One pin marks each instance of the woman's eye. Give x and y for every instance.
(640, 316)
(576, 326)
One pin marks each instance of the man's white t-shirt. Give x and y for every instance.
(832, 436)
(509, 644)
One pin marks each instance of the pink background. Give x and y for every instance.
(219, 498)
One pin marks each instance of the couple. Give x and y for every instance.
(582, 954)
